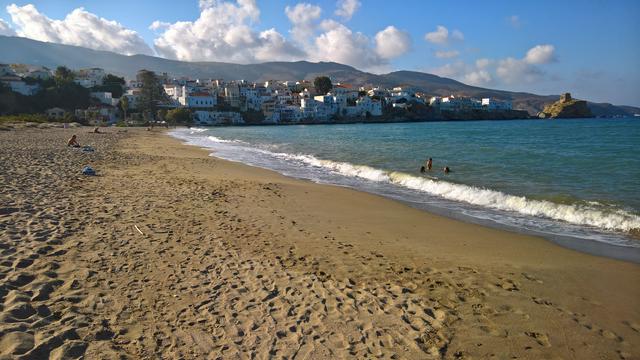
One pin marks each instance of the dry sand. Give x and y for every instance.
(170, 253)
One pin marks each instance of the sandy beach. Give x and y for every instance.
(171, 253)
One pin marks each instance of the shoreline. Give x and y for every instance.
(186, 255)
(582, 244)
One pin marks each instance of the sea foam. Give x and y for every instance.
(579, 214)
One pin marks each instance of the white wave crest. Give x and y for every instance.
(576, 214)
(223, 141)
(589, 214)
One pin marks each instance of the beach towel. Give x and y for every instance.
(87, 170)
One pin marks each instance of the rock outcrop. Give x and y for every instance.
(567, 108)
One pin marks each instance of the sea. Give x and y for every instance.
(575, 182)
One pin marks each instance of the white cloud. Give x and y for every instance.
(276, 47)
(346, 8)
(5, 29)
(483, 63)
(443, 54)
(79, 28)
(158, 25)
(223, 33)
(330, 40)
(525, 70)
(303, 17)
(509, 70)
(391, 42)
(514, 21)
(514, 71)
(442, 36)
(342, 45)
(477, 74)
(541, 54)
(457, 35)
(478, 77)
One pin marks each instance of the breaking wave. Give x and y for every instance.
(588, 213)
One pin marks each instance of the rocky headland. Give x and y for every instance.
(566, 108)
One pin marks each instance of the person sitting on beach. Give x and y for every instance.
(73, 142)
(429, 164)
(97, 130)
(447, 170)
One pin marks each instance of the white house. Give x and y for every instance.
(6, 70)
(103, 97)
(97, 115)
(90, 77)
(132, 98)
(55, 113)
(17, 85)
(366, 105)
(40, 73)
(217, 118)
(493, 104)
(290, 113)
(232, 95)
(174, 91)
(198, 100)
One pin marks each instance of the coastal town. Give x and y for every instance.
(154, 97)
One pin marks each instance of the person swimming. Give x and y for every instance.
(446, 170)
(73, 141)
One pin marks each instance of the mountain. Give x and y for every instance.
(27, 51)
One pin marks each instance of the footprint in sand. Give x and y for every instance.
(540, 338)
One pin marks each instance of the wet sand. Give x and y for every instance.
(171, 253)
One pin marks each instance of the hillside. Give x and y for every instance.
(22, 50)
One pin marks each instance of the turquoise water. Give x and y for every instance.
(572, 178)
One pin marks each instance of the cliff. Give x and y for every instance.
(566, 108)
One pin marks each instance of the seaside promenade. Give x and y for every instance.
(172, 253)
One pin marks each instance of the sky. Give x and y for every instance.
(590, 48)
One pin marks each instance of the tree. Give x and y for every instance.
(112, 84)
(151, 93)
(124, 105)
(322, 84)
(178, 116)
(63, 75)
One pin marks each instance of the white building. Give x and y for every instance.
(290, 113)
(6, 70)
(55, 113)
(132, 98)
(493, 104)
(104, 97)
(174, 91)
(198, 100)
(39, 72)
(217, 118)
(366, 105)
(90, 77)
(17, 85)
(232, 95)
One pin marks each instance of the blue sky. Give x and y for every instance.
(590, 48)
